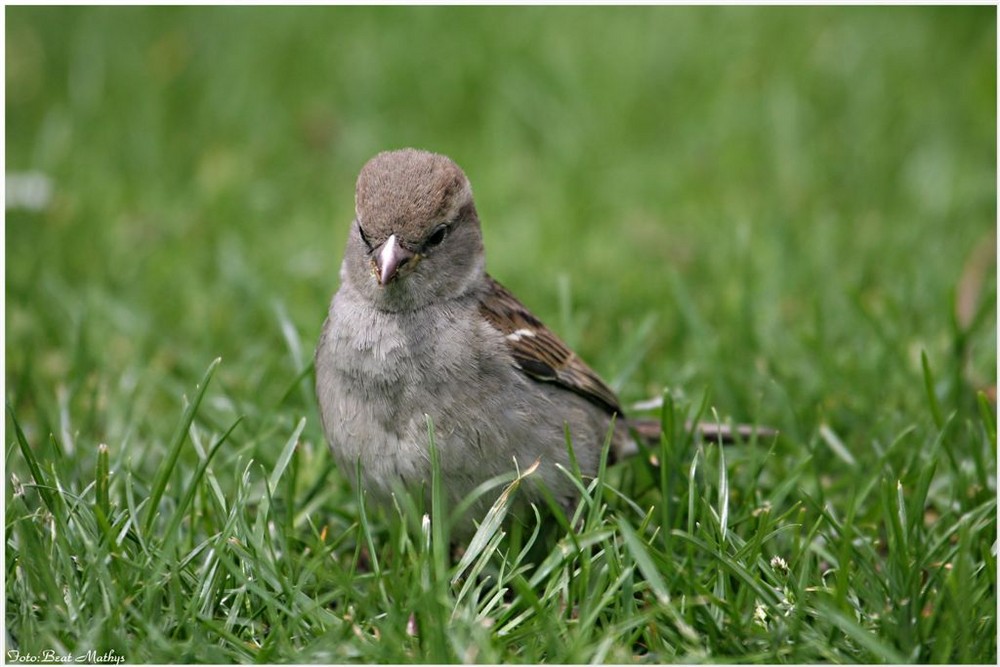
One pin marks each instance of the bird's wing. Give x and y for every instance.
(538, 352)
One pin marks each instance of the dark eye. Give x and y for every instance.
(436, 237)
(364, 237)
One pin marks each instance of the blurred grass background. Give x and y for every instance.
(774, 204)
(791, 193)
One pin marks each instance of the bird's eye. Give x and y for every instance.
(436, 237)
(364, 237)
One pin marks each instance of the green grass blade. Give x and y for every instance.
(850, 627)
(102, 502)
(41, 482)
(366, 531)
(174, 449)
(193, 486)
(102, 481)
(723, 495)
(669, 466)
(596, 507)
(989, 420)
(286, 455)
(740, 571)
(439, 512)
(932, 399)
(491, 524)
(836, 445)
(638, 550)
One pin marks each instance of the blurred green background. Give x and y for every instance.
(774, 204)
(782, 207)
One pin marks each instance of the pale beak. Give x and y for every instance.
(390, 258)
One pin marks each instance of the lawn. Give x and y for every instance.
(783, 216)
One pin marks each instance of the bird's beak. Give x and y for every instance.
(389, 259)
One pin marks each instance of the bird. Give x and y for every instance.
(419, 333)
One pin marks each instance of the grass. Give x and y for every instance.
(789, 213)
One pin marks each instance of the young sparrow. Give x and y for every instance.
(418, 328)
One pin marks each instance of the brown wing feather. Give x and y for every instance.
(538, 352)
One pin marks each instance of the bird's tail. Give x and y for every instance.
(648, 431)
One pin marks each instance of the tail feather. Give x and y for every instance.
(648, 431)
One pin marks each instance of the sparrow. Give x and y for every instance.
(419, 332)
